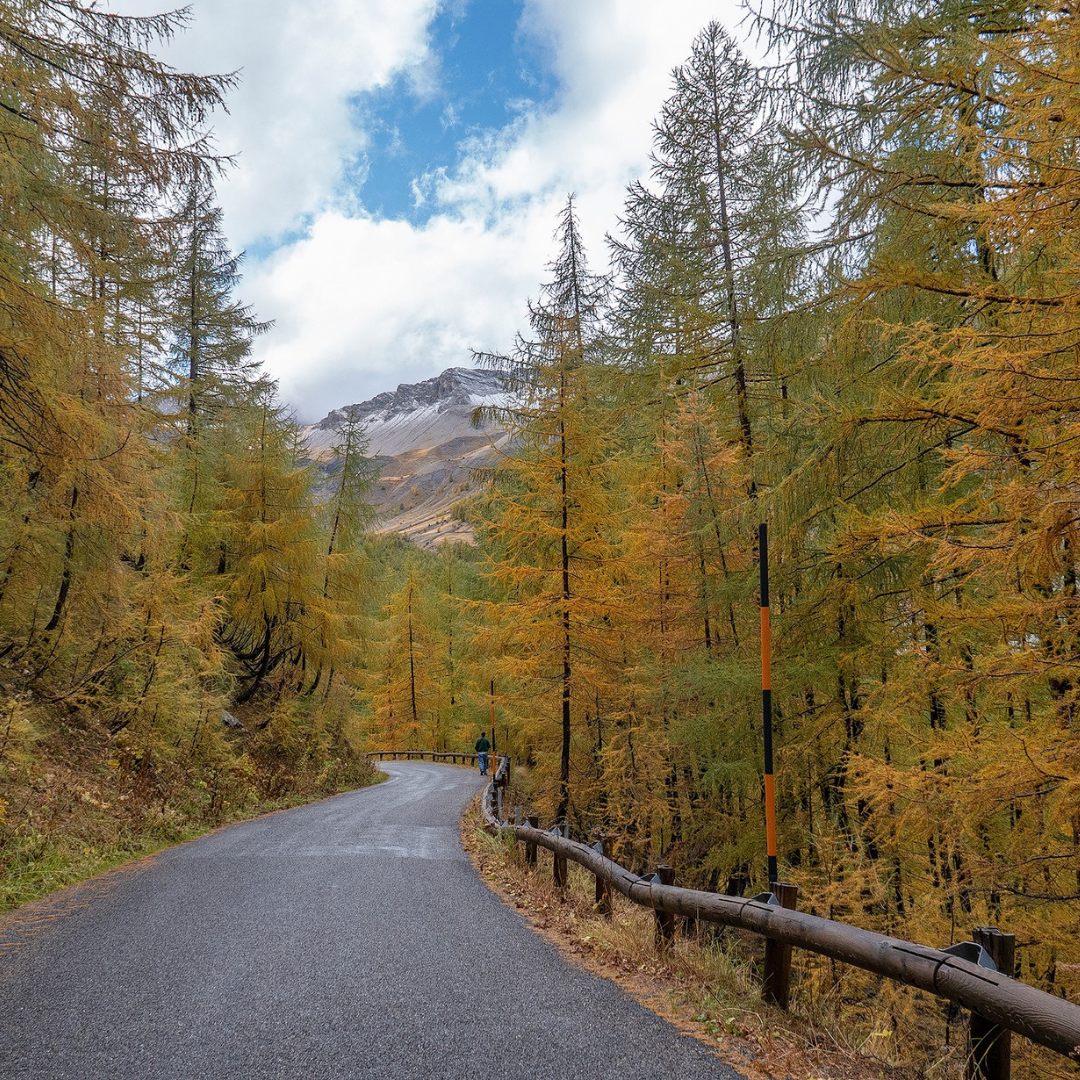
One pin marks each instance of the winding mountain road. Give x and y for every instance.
(349, 938)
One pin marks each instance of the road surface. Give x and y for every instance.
(349, 938)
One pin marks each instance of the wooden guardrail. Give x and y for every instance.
(452, 756)
(966, 973)
(974, 974)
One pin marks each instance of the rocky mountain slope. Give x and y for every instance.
(423, 439)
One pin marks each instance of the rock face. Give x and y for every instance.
(428, 451)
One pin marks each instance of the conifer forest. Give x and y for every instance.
(845, 301)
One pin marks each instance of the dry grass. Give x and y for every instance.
(71, 808)
(708, 986)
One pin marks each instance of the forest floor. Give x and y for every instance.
(705, 987)
(71, 808)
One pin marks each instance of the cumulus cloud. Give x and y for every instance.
(614, 60)
(292, 122)
(361, 303)
(383, 302)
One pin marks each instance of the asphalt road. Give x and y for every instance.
(350, 938)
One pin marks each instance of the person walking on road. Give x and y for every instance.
(482, 747)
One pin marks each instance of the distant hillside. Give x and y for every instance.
(423, 439)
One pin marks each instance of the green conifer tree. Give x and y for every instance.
(551, 517)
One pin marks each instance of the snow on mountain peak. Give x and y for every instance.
(423, 437)
(417, 414)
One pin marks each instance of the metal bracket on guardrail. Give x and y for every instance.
(764, 898)
(973, 953)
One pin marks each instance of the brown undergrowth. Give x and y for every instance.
(708, 986)
(75, 801)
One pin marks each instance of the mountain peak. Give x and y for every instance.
(423, 438)
(463, 387)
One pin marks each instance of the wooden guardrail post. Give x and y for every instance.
(602, 903)
(776, 984)
(665, 920)
(990, 1055)
(530, 845)
(559, 862)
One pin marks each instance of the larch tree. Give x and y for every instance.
(159, 543)
(948, 140)
(269, 546)
(96, 131)
(404, 688)
(549, 522)
(347, 515)
(711, 259)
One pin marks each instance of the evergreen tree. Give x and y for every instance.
(346, 517)
(211, 336)
(724, 219)
(212, 331)
(550, 520)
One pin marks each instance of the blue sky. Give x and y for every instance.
(400, 164)
(483, 75)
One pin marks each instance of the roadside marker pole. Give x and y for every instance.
(766, 702)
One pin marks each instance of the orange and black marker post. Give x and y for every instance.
(766, 702)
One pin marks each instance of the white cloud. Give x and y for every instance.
(614, 59)
(290, 121)
(362, 304)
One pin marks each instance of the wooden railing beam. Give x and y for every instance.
(999, 1004)
(1047, 1020)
